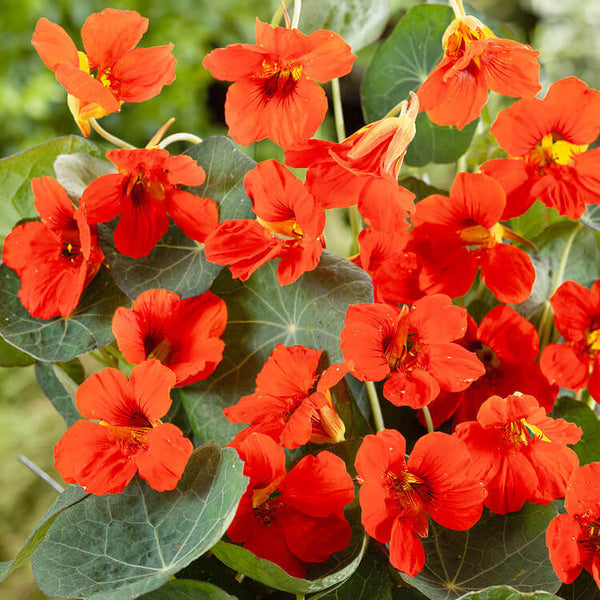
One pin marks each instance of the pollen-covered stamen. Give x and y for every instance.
(592, 541)
(479, 236)
(71, 252)
(130, 439)
(593, 342)
(488, 357)
(161, 351)
(288, 229)
(522, 433)
(553, 149)
(461, 33)
(395, 346)
(138, 187)
(279, 79)
(409, 490)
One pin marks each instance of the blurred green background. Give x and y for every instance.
(33, 110)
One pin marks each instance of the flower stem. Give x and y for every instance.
(375, 407)
(296, 14)
(278, 13)
(428, 420)
(180, 137)
(109, 137)
(41, 474)
(338, 113)
(458, 8)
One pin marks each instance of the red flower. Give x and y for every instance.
(283, 405)
(576, 363)
(456, 236)
(274, 95)
(183, 335)
(507, 345)
(291, 518)
(573, 539)
(55, 259)
(103, 457)
(123, 73)
(412, 348)
(476, 61)
(145, 193)
(520, 452)
(289, 226)
(548, 141)
(397, 495)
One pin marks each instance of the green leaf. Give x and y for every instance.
(591, 217)
(495, 551)
(504, 592)
(399, 66)
(76, 171)
(262, 313)
(337, 569)
(187, 590)
(60, 390)
(116, 547)
(13, 357)
(359, 22)
(71, 496)
(588, 448)
(419, 188)
(60, 339)
(583, 588)
(536, 220)
(16, 172)
(177, 263)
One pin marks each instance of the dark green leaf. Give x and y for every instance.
(116, 547)
(583, 588)
(76, 171)
(359, 22)
(262, 313)
(504, 592)
(337, 568)
(60, 390)
(60, 339)
(177, 263)
(419, 188)
(16, 172)
(71, 496)
(13, 357)
(497, 550)
(591, 217)
(399, 66)
(588, 448)
(187, 590)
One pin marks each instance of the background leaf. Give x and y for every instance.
(116, 547)
(177, 262)
(60, 390)
(583, 588)
(495, 551)
(359, 22)
(504, 592)
(76, 171)
(13, 357)
(187, 590)
(16, 172)
(262, 313)
(399, 66)
(591, 217)
(60, 339)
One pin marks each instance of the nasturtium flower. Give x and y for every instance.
(547, 141)
(573, 539)
(519, 452)
(457, 235)
(184, 335)
(112, 70)
(575, 364)
(412, 348)
(275, 93)
(474, 62)
(145, 194)
(56, 258)
(291, 518)
(289, 225)
(397, 495)
(508, 345)
(291, 404)
(126, 435)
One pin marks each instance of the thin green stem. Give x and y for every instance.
(428, 420)
(41, 474)
(457, 7)
(355, 227)
(300, 597)
(279, 13)
(109, 137)
(338, 113)
(296, 14)
(375, 406)
(180, 137)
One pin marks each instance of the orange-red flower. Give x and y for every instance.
(455, 236)
(183, 335)
(274, 94)
(112, 70)
(412, 348)
(548, 143)
(145, 193)
(573, 539)
(289, 226)
(291, 518)
(520, 453)
(476, 61)
(128, 436)
(397, 495)
(286, 404)
(55, 259)
(575, 364)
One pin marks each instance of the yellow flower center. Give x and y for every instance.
(461, 33)
(478, 235)
(552, 149)
(279, 79)
(523, 433)
(288, 229)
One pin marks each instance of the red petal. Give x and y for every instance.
(103, 198)
(415, 389)
(574, 308)
(54, 45)
(264, 460)
(406, 550)
(53, 204)
(565, 552)
(581, 498)
(329, 57)
(197, 217)
(563, 365)
(234, 62)
(151, 383)
(84, 87)
(454, 367)
(435, 319)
